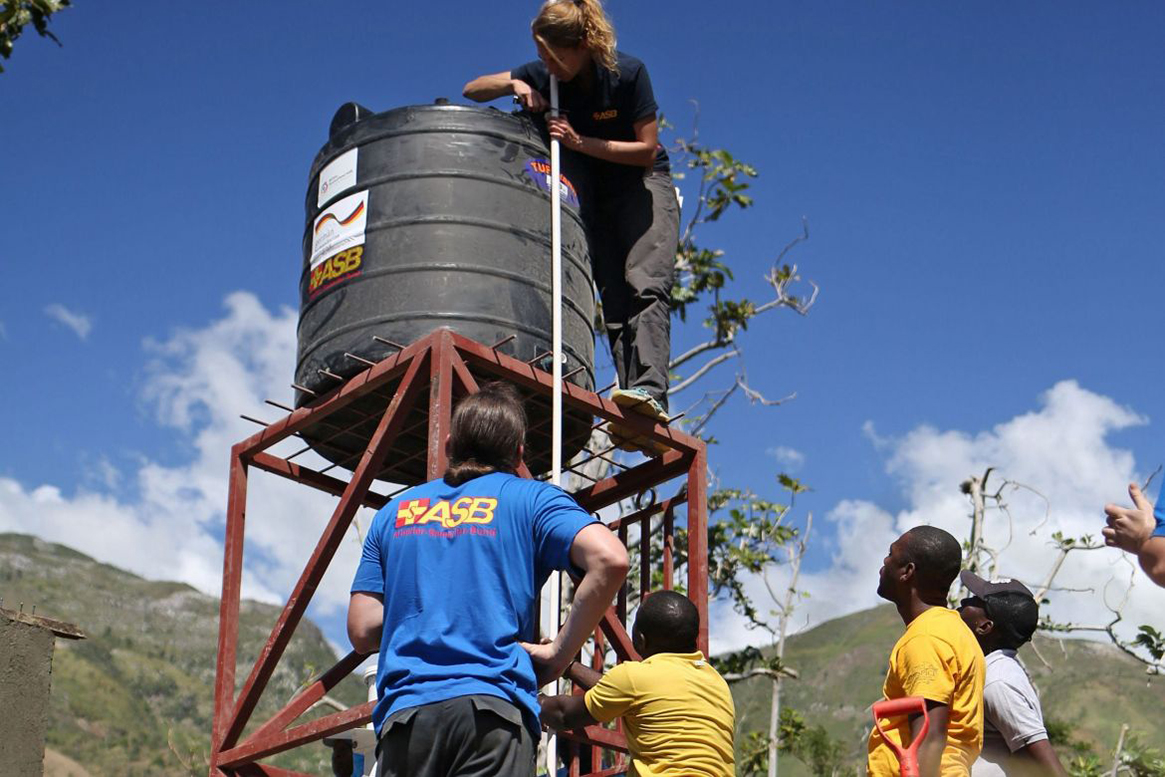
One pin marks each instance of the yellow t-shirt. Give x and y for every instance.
(939, 659)
(677, 713)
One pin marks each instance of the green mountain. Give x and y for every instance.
(1088, 689)
(136, 697)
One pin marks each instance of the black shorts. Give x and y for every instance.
(469, 736)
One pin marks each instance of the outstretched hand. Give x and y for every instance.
(1129, 527)
(548, 664)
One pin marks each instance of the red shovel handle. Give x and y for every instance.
(909, 705)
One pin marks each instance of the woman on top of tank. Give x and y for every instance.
(628, 204)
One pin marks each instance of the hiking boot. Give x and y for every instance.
(641, 402)
(645, 404)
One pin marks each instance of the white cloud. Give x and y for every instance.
(1062, 449)
(102, 472)
(81, 324)
(198, 382)
(787, 457)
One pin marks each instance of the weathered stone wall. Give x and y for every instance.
(26, 657)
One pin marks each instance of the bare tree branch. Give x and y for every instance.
(699, 424)
(695, 376)
(755, 396)
(695, 351)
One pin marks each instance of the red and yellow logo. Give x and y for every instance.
(467, 509)
(336, 268)
(606, 115)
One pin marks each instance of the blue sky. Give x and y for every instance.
(983, 182)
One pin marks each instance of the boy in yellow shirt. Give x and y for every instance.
(937, 658)
(677, 710)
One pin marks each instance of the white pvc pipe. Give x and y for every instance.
(555, 582)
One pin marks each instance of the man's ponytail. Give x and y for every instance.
(486, 433)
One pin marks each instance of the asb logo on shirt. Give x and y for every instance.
(447, 515)
(606, 115)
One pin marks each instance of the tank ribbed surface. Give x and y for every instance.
(436, 216)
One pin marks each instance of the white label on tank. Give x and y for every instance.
(339, 227)
(339, 174)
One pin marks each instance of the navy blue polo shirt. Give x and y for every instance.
(607, 110)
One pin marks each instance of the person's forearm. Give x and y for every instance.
(365, 622)
(624, 152)
(1043, 759)
(591, 600)
(486, 88)
(564, 712)
(552, 715)
(930, 750)
(930, 756)
(582, 675)
(1152, 558)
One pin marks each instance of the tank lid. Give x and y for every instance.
(347, 115)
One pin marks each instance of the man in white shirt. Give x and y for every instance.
(1003, 616)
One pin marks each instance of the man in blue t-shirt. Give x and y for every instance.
(1139, 530)
(446, 592)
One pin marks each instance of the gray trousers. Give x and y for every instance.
(469, 736)
(632, 234)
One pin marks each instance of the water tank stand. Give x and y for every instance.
(446, 366)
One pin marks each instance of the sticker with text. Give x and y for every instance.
(338, 175)
(539, 171)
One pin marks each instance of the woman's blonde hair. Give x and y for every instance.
(572, 23)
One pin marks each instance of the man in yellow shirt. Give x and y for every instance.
(677, 711)
(937, 658)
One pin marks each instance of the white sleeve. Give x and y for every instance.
(1016, 716)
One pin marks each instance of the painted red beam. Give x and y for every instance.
(232, 580)
(614, 771)
(364, 383)
(519, 372)
(613, 740)
(698, 542)
(613, 628)
(309, 696)
(310, 477)
(651, 509)
(266, 770)
(440, 401)
(669, 539)
(633, 481)
(370, 464)
(295, 737)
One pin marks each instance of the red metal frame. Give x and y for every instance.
(448, 365)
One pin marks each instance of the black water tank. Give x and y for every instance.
(426, 217)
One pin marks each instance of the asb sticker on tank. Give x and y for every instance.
(539, 171)
(334, 269)
(337, 242)
(338, 175)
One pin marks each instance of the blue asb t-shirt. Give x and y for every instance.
(460, 569)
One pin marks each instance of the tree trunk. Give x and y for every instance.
(796, 553)
(774, 726)
(1120, 746)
